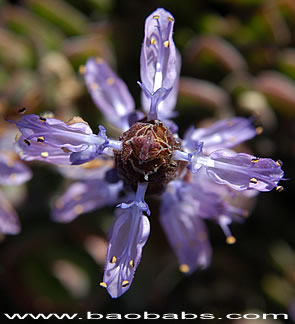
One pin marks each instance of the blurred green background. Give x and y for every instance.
(238, 58)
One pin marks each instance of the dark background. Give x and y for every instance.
(239, 47)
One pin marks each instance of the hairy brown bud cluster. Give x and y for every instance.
(146, 155)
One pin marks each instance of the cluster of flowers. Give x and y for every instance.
(197, 177)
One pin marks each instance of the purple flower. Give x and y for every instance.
(198, 178)
(109, 92)
(12, 173)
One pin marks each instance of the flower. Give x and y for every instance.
(12, 173)
(198, 178)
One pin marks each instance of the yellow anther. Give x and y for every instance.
(259, 130)
(253, 180)
(245, 213)
(17, 137)
(114, 259)
(125, 283)
(103, 284)
(153, 41)
(42, 119)
(78, 209)
(279, 163)
(170, 19)
(40, 139)
(110, 81)
(184, 268)
(44, 154)
(94, 86)
(27, 142)
(65, 150)
(231, 240)
(82, 69)
(279, 188)
(156, 16)
(131, 263)
(255, 160)
(166, 44)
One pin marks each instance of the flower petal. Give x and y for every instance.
(83, 197)
(109, 92)
(9, 223)
(128, 237)
(186, 232)
(13, 172)
(40, 151)
(243, 171)
(222, 134)
(75, 137)
(159, 61)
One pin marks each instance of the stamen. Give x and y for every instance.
(131, 263)
(125, 283)
(254, 180)
(22, 110)
(82, 69)
(65, 150)
(110, 81)
(78, 209)
(279, 188)
(94, 86)
(156, 16)
(279, 163)
(27, 142)
(103, 284)
(231, 240)
(166, 44)
(259, 130)
(255, 160)
(40, 139)
(153, 41)
(170, 19)
(42, 119)
(17, 137)
(184, 268)
(113, 260)
(44, 154)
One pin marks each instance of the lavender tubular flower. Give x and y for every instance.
(109, 92)
(82, 197)
(222, 134)
(67, 142)
(159, 66)
(9, 223)
(240, 171)
(186, 232)
(13, 172)
(128, 236)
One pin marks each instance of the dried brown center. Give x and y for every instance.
(146, 155)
